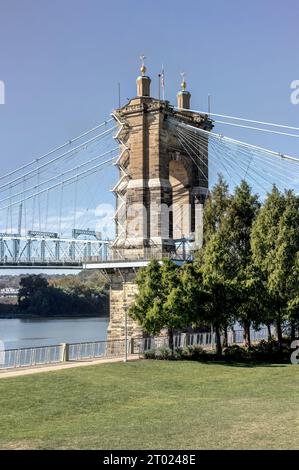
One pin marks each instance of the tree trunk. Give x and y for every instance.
(170, 340)
(218, 341)
(225, 343)
(279, 334)
(293, 332)
(269, 331)
(246, 327)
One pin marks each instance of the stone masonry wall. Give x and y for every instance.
(122, 292)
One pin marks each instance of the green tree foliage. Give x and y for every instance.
(37, 296)
(226, 258)
(29, 285)
(275, 248)
(167, 298)
(283, 277)
(247, 270)
(86, 283)
(215, 207)
(217, 286)
(235, 234)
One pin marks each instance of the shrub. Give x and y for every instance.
(263, 351)
(270, 349)
(235, 352)
(150, 354)
(163, 353)
(193, 352)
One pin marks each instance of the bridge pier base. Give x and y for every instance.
(123, 288)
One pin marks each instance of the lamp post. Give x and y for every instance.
(126, 334)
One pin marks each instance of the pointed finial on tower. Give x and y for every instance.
(183, 95)
(143, 67)
(183, 83)
(143, 82)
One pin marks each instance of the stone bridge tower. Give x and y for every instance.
(160, 192)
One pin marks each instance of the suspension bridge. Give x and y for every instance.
(54, 211)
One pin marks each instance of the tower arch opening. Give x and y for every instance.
(180, 207)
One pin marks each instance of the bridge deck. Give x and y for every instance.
(123, 264)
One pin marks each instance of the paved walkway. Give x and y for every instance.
(4, 374)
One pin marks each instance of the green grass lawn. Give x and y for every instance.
(153, 405)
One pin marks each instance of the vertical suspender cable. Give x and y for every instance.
(60, 208)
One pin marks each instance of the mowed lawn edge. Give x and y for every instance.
(153, 405)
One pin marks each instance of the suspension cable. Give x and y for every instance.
(59, 176)
(69, 142)
(93, 139)
(242, 119)
(271, 131)
(82, 174)
(229, 139)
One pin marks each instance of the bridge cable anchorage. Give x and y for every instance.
(206, 155)
(203, 149)
(183, 145)
(81, 146)
(82, 175)
(53, 178)
(205, 177)
(220, 161)
(282, 126)
(69, 142)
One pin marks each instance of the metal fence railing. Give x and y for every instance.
(237, 336)
(205, 340)
(37, 356)
(27, 357)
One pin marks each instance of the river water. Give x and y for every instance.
(23, 333)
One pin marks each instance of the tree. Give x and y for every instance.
(283, 277)
(215, 207)
(235, 231)
(29, 285)
(227, 258)
(163, 298)
(265, 233)
(86, 283)
(38, 297)
(217, 286)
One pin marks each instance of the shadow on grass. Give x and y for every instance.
(234, 362)
(247, 364)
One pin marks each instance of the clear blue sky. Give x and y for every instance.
(61, 61)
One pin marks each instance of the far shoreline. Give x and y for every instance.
(28, 316)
